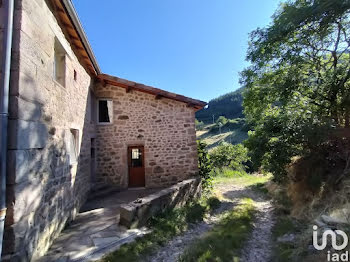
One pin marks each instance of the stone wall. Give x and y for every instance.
(137, 213)
(166, 129)
(45, 189)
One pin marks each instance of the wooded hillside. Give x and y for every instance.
(228, 105)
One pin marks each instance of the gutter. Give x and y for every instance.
(75, 19)
(4, 102)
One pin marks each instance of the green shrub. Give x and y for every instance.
(229, 156)
(204, 165)
(199, 125)
(222, 120)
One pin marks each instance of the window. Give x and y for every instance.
(59, 63)
(105, 111)
(73, 146)
(136, 157)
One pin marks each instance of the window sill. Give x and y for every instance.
(58, 83)
(104, 123)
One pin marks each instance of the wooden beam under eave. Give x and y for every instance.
(157, 97)
(129, 89)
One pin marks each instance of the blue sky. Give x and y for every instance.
(192, 47)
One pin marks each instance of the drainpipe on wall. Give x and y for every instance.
(4, 102)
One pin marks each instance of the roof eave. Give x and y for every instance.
(77, 24)
(116, 81)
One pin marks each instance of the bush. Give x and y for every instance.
(204, 165)
(221, 120)
(230, 156)
(199, 125)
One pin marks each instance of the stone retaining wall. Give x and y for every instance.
(137, 213)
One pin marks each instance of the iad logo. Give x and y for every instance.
(333, 234)
(333, 239)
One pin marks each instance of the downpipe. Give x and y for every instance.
(4, 102)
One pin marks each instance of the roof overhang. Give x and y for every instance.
(158, 93)
(68, 18)
(70, 24)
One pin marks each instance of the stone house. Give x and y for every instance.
(71, 127)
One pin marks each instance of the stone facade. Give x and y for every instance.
(44, 189)
(164, 127)
(48, 181)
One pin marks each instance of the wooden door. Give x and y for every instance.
(136, 163)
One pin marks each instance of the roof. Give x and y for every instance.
(69, 21)
(159, 93)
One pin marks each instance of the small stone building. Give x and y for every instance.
(71, 127)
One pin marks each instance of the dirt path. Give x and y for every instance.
(257, 248)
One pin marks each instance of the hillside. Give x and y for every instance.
(228, 105)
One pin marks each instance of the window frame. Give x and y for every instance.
(59, 52)
(74, 134)
(98, 112)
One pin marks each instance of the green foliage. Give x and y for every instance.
(199, 124)
(221, 120)
(229, 156)
(297, 87)
(227, 172)
(228, 105)
(204, 165)
(224, 241)
(164, 227)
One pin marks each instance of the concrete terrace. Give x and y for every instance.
(96, 230)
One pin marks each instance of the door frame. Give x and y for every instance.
(130, 147)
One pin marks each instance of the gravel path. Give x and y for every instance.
(257, 248)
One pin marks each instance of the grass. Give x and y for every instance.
(231, 134)
(240, 178)
(224, 241)
(164, 227)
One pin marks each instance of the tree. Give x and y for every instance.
(230, 156)
(199, 124)
(221, 120)
(297, 87)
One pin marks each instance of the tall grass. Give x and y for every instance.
(228, 173)
(225, 175)
(224, 241)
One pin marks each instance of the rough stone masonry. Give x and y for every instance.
(57, 151)
(164, 127)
